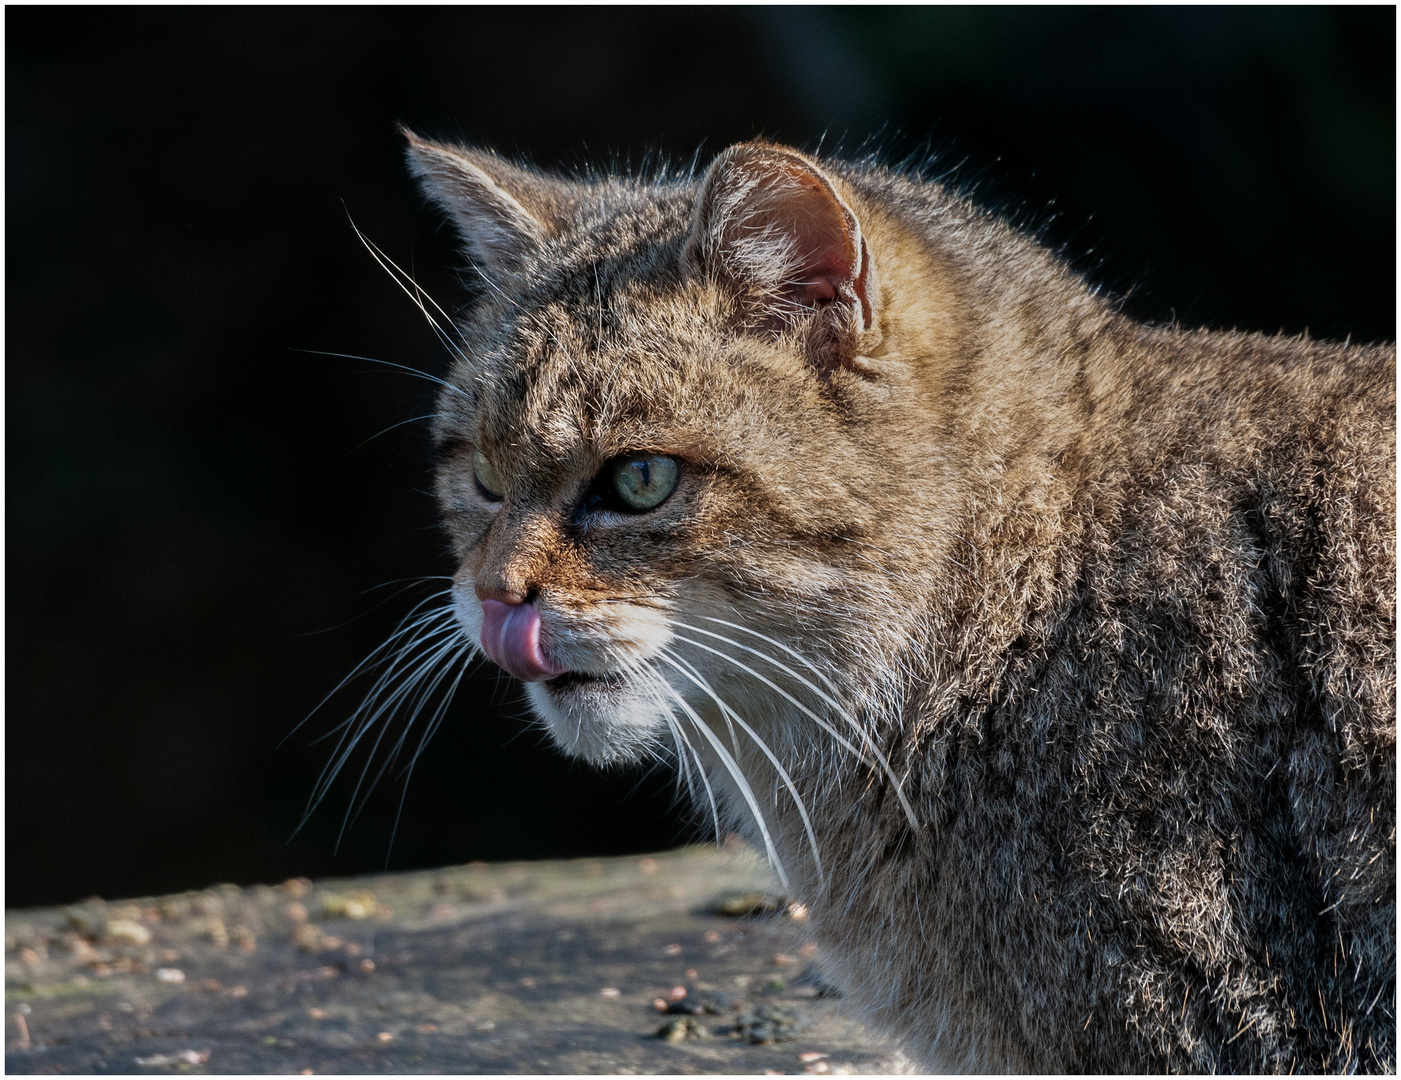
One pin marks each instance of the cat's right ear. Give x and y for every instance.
(771, 222)
(503, 213)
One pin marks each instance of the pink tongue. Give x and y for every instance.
(511, 638)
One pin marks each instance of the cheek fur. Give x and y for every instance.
(468, 610)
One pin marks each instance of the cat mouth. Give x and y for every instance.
(575, 681)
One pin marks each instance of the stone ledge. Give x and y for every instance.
(546, 967)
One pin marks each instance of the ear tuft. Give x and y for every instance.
(770, 221)
(503, 213)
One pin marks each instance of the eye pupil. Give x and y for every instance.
(645, 481)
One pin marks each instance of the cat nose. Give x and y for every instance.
(504, 591)
(511, 639)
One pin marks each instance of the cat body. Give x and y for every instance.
(1050, 656)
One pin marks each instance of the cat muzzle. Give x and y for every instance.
(511, 639)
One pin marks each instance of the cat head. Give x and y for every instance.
(676, 449)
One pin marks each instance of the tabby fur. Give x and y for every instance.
(1094, 721)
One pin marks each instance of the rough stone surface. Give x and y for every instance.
(550, 967)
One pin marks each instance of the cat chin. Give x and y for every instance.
(603, 721)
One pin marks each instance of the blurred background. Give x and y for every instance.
(200, 523)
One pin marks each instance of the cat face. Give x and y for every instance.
(667, 460)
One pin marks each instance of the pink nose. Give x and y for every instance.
(511, 638)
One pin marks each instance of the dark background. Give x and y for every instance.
(194, 514)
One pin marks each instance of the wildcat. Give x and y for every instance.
(1049, 655)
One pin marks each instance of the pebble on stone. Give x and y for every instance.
(359, 905)
(127, 930)
(770, 1023)
(681, 1029)
(736, 905)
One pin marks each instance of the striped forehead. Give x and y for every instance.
(618, 378)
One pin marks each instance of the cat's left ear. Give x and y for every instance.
(771, 222)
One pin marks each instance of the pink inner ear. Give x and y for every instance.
(825, 262)
(819, 291)
(770, 221)
(817, 222)
(823, 276)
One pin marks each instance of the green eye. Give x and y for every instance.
(487, 481)
(644, 481)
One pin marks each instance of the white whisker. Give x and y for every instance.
(432, 636)
(408, 683)
(377, 652)
(428, 732)
(417, 295)
(695, 677)
(426, 688)
(399, 424)
(682, 740)
(844, 743)
(423, 630)
(827, 698)
(386, 363)
(737, 774)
